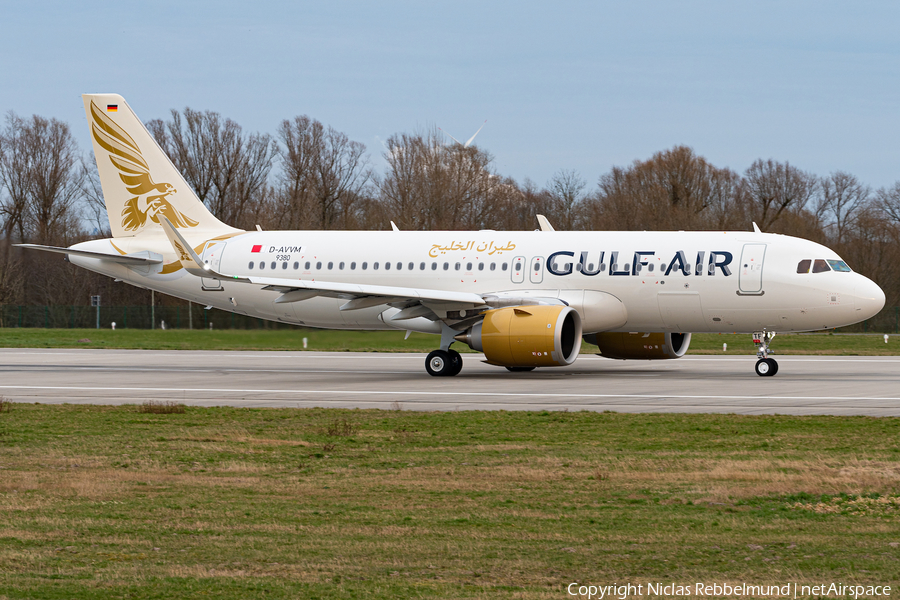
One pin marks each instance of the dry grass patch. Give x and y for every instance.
(855, 505)
(341, 427)
(155, 407)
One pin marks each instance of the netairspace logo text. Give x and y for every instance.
(788, 590)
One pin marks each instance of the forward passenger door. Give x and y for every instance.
(750, 275)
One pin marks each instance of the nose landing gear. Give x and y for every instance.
(765, 366)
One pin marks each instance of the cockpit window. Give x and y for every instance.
(803, 266)
(839, 265)
(820, 266)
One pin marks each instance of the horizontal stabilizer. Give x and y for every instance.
(123, 259)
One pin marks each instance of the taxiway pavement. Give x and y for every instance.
(721, 384)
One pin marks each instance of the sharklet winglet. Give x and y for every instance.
(191, 262)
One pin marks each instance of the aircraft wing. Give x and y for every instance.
(356, 289)
(124, 259)
(295, 290)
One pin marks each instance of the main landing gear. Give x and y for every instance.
(443, 363)
(765, 366)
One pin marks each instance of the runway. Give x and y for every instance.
(694, 384)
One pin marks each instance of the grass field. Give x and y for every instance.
(113, 502)
(392, 341)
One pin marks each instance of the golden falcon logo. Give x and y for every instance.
(184, 255)
(149, 199)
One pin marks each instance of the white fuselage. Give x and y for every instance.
(745, 282)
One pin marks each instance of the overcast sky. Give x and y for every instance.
(563, 85)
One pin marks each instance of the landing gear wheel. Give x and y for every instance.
(519, 369)
(766, 367)
(441, 363)
(456, 362)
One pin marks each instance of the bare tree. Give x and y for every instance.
(301, 142)
(226, 169)
(40, 169)
(674, 189)
(12, 276)
(888, 200)
(15, 177)
(566, 192)
(402, 190)
(431, 185)
(843, 197)
(773, 188)
(94, 202)
(515, 209)
(324, 175)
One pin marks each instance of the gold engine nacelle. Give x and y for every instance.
(646, 346)
(527, 336)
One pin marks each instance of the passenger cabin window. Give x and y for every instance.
(493, 266)
(353, 266)
(251, 264)
(400, 266)
(330, 265)
(481, 266)
(296, 266)
(284, 265)
(804, 265)
(387, 266)
(820, 266)
(412, 266)
(341, 265)
(365, 265)
(434, 266)
(262, 265)
(273, 264)
(504, 266)
(307, 265)
(375, 265)
(319, 265)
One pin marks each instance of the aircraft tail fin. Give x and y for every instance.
(139, 182)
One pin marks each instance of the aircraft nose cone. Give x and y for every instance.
(869, 298)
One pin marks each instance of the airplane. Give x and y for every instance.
(525, 299)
